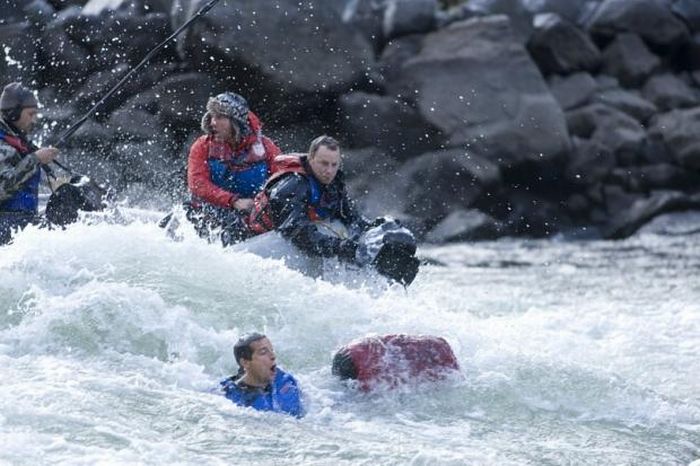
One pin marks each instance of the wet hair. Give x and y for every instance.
(242, 349)
(327, 141)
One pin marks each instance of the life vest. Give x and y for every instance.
(281, 396)
(244, 174)
(392, 360)
(27, 198)
(260, 219)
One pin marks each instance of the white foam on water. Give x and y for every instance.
(112, 335)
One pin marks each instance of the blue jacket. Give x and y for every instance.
(281, 396)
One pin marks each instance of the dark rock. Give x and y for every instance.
(607, 82)
(438, 182)
(39, 12)
(63, 62)
(396, 53)
(590, 163)
(679, 131)
(629, 102)
(17, 56)
(689, 57)
(92, 136)
(387, 123)
(99, 83)
(617, 131)
(508, 120)
(402, 17)
(324, 56)
(579, 206)
(374, 182)
(11, 11)
(574, 90)
(583, 122)
(558, 46)
(367, 164)
(629, 60)
(143, 162)
(623, 135)
(464, 225)
(367, 16)
(444, 18)
(515, 10)
(183, 98)
(688, 11)
(534, 216)
(646, 178)
(617, 200)
(629, 220)
(669, 92)
(571, 10)
(130, 125)
(650, 19)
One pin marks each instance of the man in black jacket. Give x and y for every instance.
(307, 195)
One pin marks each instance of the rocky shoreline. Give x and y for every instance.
(490, 118)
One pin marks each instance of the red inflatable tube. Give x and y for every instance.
(391, 360)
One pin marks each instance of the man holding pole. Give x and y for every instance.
(20, 160)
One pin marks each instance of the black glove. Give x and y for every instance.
(346, 250)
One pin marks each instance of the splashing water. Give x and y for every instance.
(111, 337)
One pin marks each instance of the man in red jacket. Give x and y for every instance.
(227, 167)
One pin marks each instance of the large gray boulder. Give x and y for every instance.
(287, 46)
(402, 17)
(669, 92)
(464, 225)
(396, 53)
(183, 98)
(645, 178)
(438, 182)
(462, 82)
(628, 59)
(625, 222)
(574, 90)
(11, 11)
(17, 56)
(650, 19)
(590, 162)
(620, 133)
(387, 123)
(679, 129)
(571, 10)
(559, 46)
(516, 10)
(629, 102)
(688, 11)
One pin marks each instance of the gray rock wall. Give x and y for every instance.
(492, 118)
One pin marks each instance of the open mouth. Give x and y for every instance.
(273, 368)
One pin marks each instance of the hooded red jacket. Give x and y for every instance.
(205, 147)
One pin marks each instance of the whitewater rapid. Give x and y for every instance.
(113, 335)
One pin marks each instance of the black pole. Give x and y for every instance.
(75, 126)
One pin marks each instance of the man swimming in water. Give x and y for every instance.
(259, 383)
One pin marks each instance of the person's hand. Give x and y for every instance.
(46, 155)
(243, 204)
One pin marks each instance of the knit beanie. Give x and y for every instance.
(232, 106)
(17, 96)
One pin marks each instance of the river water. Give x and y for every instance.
(586, 352)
